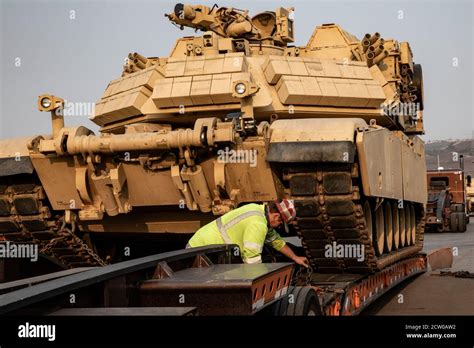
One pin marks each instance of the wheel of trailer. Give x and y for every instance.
(388, 227)
(407, 224)
(413, 224)
(301, 301)
(461, 222)
(368, 219)
(280, 308)
(379, 240)
(396, 226)
(402, 223)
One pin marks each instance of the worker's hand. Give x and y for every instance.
(302, 261)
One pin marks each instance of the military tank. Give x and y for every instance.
(234, 116)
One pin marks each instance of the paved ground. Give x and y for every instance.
(430, 294)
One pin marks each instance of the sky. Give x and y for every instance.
(72, 49)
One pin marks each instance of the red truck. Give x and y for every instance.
(446, 210)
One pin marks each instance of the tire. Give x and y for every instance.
(307, 303)
(453, 222)
(461, 222)
(281, 307)
(304, 302)
(292, 299)
(388, 227)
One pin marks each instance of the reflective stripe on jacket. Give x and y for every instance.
(245, 226)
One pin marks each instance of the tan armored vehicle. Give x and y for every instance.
(233, 116)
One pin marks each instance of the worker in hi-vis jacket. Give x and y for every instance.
(250, 227)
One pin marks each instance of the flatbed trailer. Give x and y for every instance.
(350, 294)
(203, 281)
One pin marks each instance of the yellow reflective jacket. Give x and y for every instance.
(245, 226)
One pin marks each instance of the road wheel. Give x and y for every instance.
(461, 222)
(453, 222)
(407, 224)
(388, 227)
(379, 236)
(413, 224)
(396, 226)
(402, 222)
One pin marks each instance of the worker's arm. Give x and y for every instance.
(300, 260)
(276, 242)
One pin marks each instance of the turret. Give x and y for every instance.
(272, 27)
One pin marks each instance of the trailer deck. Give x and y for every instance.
(206, 281)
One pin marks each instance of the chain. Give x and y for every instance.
(300, 273)
(81, 245)
(457, 274)
(47, 248)
(68, 236)
(297, 275)
(309, 273)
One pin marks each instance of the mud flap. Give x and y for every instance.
(440, 258)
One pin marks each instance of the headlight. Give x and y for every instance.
(240, 88)
(46, 102)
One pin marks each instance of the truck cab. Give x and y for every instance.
(447, 201)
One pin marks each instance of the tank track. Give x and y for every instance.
(25, 217)
(330, 209)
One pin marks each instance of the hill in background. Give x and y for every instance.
(445, 149)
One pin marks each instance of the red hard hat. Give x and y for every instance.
(287, 210)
